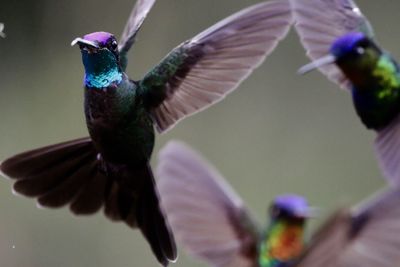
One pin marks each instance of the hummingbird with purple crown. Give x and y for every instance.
(340, 41)
(212, 223)
(111, 168)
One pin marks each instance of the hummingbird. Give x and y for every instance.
(110, 168)
(340, 41)
(213, 224)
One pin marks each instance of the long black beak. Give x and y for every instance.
(326, 60)
(85, 42)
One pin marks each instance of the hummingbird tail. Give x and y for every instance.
(153, 223)
(69, 173)
(58, 175)
(142, 210)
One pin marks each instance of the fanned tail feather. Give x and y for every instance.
(60, 174)
(70, 173)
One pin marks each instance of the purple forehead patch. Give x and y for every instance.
(291, 202)
(346, 42)
(100, 37)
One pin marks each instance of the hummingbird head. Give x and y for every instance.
(100, 58)
(291, 206)
(354, 53)
(355, 50)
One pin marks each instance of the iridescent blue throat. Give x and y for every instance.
(101, 69)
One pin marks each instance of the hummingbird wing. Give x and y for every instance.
(205, 214)
(320, 22)
(204, 69)
(387, 150)
(367, 235)
(135, 21)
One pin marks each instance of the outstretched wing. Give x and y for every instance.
(135, 21)
(365, 236)
(387, 151)
(320, 22)
(203, 70)
(205, 214)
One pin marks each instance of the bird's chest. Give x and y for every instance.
(120, 129)
(376, 95)
(377, 105)
(282, 245)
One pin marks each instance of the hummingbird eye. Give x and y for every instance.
(114, 45)
(360, 50)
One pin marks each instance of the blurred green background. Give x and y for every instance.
(277, 133)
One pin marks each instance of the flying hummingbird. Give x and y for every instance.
(340, 41)
(111, 167)
(213, 224)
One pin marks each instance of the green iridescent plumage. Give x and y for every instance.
(111, 168)
(213, 223)
(341, 43)
(283, 243)
(374, 76)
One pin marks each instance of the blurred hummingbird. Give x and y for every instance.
(111, 167)
(212, 223)
(340, 41)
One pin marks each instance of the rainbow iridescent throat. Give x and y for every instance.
(282, 245)
(101, 69)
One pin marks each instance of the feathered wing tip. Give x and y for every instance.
(132, 27)
(387, 150)
(205, 214)
(217, 60)
(361, 236)
(320, 22)
(60, 174)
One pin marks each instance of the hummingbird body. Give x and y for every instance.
(282, 243)
(111, 168)
(375, 79)
(118, 123)
(119, 126)
(341, 44)
(213, 224)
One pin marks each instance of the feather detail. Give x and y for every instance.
(387, 151)
(203, 70)
(361, 236)
(135, 21)
(205, 214)
(320, 22)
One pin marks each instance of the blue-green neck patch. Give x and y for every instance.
(101, 69)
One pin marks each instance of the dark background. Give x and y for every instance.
(277, 133)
